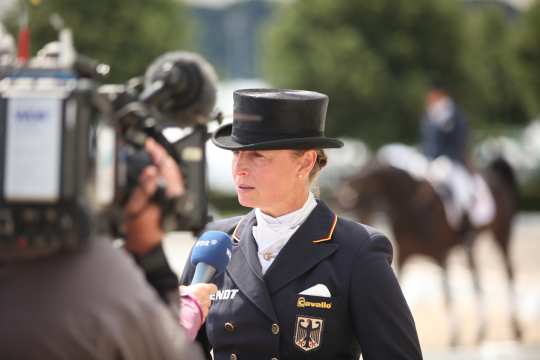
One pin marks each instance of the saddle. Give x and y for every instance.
(464, 195)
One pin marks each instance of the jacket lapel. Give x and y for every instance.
(309, 245)
(249, 278)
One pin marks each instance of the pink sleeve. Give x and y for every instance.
(191, 315)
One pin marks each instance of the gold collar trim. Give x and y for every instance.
(234, 234)
(329, 236)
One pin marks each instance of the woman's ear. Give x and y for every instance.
(307, 162)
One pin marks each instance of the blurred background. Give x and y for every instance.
(375, 59)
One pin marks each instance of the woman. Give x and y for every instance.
(302, 283)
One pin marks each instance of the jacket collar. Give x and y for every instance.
(308, 246)
(311, 243)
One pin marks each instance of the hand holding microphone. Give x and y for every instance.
(210, 256)
(201, 293)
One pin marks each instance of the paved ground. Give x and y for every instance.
(421, 286)
(488, 351)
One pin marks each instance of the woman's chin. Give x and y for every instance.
(246, 201)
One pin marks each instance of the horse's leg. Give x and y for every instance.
(403, 256)
(502, 238)
(481, 332)
(452, 320)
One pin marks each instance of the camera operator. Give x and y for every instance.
(95, 303)
(67, 292)
(143, 230)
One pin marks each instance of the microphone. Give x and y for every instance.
(210, 256)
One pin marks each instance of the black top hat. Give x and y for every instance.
(266, 119)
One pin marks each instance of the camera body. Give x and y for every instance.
(57, 172)
(71, 150)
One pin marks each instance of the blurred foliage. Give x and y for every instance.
(376, 58)
(526, 45)
(529, 198)
(492, 96)
(126, 34)
(225, 205)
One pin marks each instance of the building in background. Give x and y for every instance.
(228, 34)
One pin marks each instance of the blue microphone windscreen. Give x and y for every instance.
(212, 248)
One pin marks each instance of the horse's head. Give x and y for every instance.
(378, 186)
(361, 193)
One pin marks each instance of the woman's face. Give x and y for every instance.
(276, 181)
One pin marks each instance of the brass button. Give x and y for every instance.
(275, 329)
(230, 328)
(234, 357)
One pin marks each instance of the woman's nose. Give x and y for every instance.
(239, 165)
(239, 169)
(241, 172)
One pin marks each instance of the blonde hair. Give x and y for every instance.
(320, 163)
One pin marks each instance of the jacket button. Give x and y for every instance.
(229, 327)
(275, 329)
(234, 357)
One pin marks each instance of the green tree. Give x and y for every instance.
(127, 34)
(376, 58)
(494, 95)
(526, 46)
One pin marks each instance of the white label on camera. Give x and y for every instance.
(105, 165)
(192, 154)
(33, 142)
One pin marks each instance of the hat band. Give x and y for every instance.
(251, 136)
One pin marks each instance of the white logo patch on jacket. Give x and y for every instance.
(227, 294)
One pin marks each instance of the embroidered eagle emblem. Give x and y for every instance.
(308, 332)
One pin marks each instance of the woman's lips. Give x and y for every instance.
(244, 188)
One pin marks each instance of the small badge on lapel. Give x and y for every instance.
(226, 294)
(308, 332)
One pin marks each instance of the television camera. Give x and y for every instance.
(72, 149)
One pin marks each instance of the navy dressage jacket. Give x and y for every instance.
(284, 314)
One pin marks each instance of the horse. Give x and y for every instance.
(417, 219)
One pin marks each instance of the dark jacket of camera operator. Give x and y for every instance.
(94, 303)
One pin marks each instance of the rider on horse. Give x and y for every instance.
(444, 128)
(444, 143)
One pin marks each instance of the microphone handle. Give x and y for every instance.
(203, 273)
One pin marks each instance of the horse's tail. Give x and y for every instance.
(502, 167)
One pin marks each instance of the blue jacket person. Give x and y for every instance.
(444, 129)
(302, 282)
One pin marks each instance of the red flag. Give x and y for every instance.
(23, 45)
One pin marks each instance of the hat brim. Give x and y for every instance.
(222, 138)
